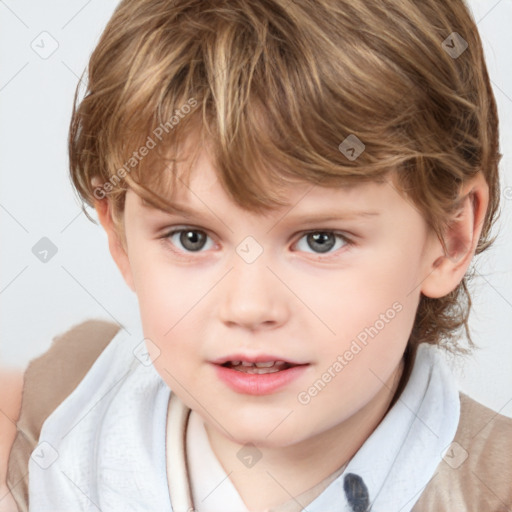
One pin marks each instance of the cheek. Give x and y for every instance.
(159, 292)
(373, 303)
(363, 294)
(165, 312)
(169, 301)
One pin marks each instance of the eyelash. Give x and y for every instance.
(167, 243)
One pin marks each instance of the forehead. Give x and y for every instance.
(306, 201)
(194, 181)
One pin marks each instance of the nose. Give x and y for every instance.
(252, 297)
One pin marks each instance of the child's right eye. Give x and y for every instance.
(192, 240)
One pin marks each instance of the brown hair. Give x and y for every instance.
(274, 87)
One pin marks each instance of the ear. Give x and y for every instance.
(447, 269)
(117, 245)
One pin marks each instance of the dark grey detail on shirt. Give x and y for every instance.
(356, 493)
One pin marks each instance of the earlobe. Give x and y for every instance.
(116, 246)
(449, 265)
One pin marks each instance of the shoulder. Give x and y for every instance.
(483, 428)
(56, 373)
(47, 381)
(476, 470)
(486, 437)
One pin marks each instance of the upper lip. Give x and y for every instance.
(256, 358)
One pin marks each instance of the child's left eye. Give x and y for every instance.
(194, 240)
(323, 241)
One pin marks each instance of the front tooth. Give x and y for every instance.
(265, 365)
(235, 363)
(244, 363)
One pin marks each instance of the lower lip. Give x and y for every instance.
(258, 384)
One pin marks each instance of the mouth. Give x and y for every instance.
(262, 376)
(258, 368)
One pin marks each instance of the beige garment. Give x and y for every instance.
(476, 474)
(48, 380)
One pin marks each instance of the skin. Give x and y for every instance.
(292, 301)
(10, 404)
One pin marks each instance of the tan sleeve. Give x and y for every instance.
(476, 472)
(48, 380)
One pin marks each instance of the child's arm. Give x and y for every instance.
(11, 384)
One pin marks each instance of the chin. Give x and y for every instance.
(263, 435)
(262, 441)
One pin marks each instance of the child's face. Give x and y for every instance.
(258, 285)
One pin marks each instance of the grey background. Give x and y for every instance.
(40, 300)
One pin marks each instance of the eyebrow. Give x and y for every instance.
(307, 218)
(172, 208)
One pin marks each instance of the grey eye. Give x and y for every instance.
(191, 240)
(319, 242)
